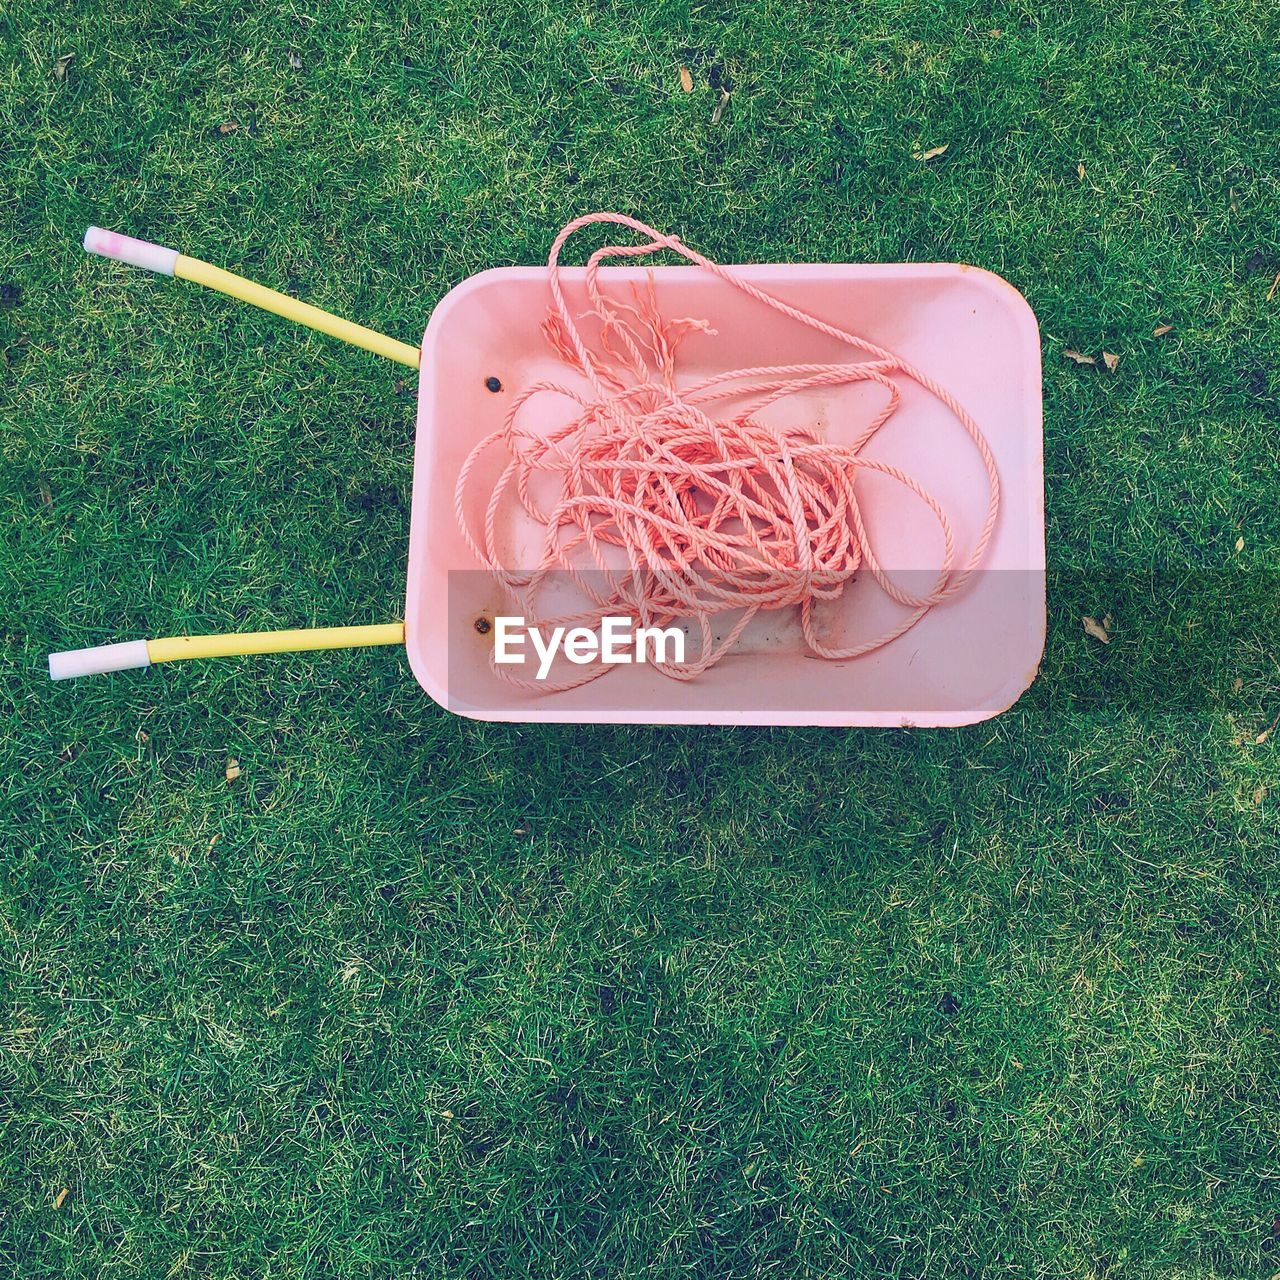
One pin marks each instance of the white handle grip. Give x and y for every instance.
(98, 660)
(137, 253)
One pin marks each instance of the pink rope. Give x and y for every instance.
(663, 513)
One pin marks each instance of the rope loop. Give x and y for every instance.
(673, 504)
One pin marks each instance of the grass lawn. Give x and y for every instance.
(415, 995)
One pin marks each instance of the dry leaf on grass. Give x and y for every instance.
(228, 126)
(60, 67)
(686, 80)
(1259, 795)
(1237, 684)
(1268, 731)
(932, 154)
(1275, 284)
(1078, 356)
(1111, 360)
(61, 1198)
(720, 106)
(233, 769)
(1080, 170)
(1161, 329)
(1239, 544)
(1095, 628)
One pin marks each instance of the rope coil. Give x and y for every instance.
(664, 513)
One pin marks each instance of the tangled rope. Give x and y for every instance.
(660, 512)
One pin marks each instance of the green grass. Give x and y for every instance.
(422, 996)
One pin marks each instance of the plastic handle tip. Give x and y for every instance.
(137, 253)
(98, 660)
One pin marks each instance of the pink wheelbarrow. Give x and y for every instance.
(959, 650)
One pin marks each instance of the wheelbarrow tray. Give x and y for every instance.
(968, 659)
